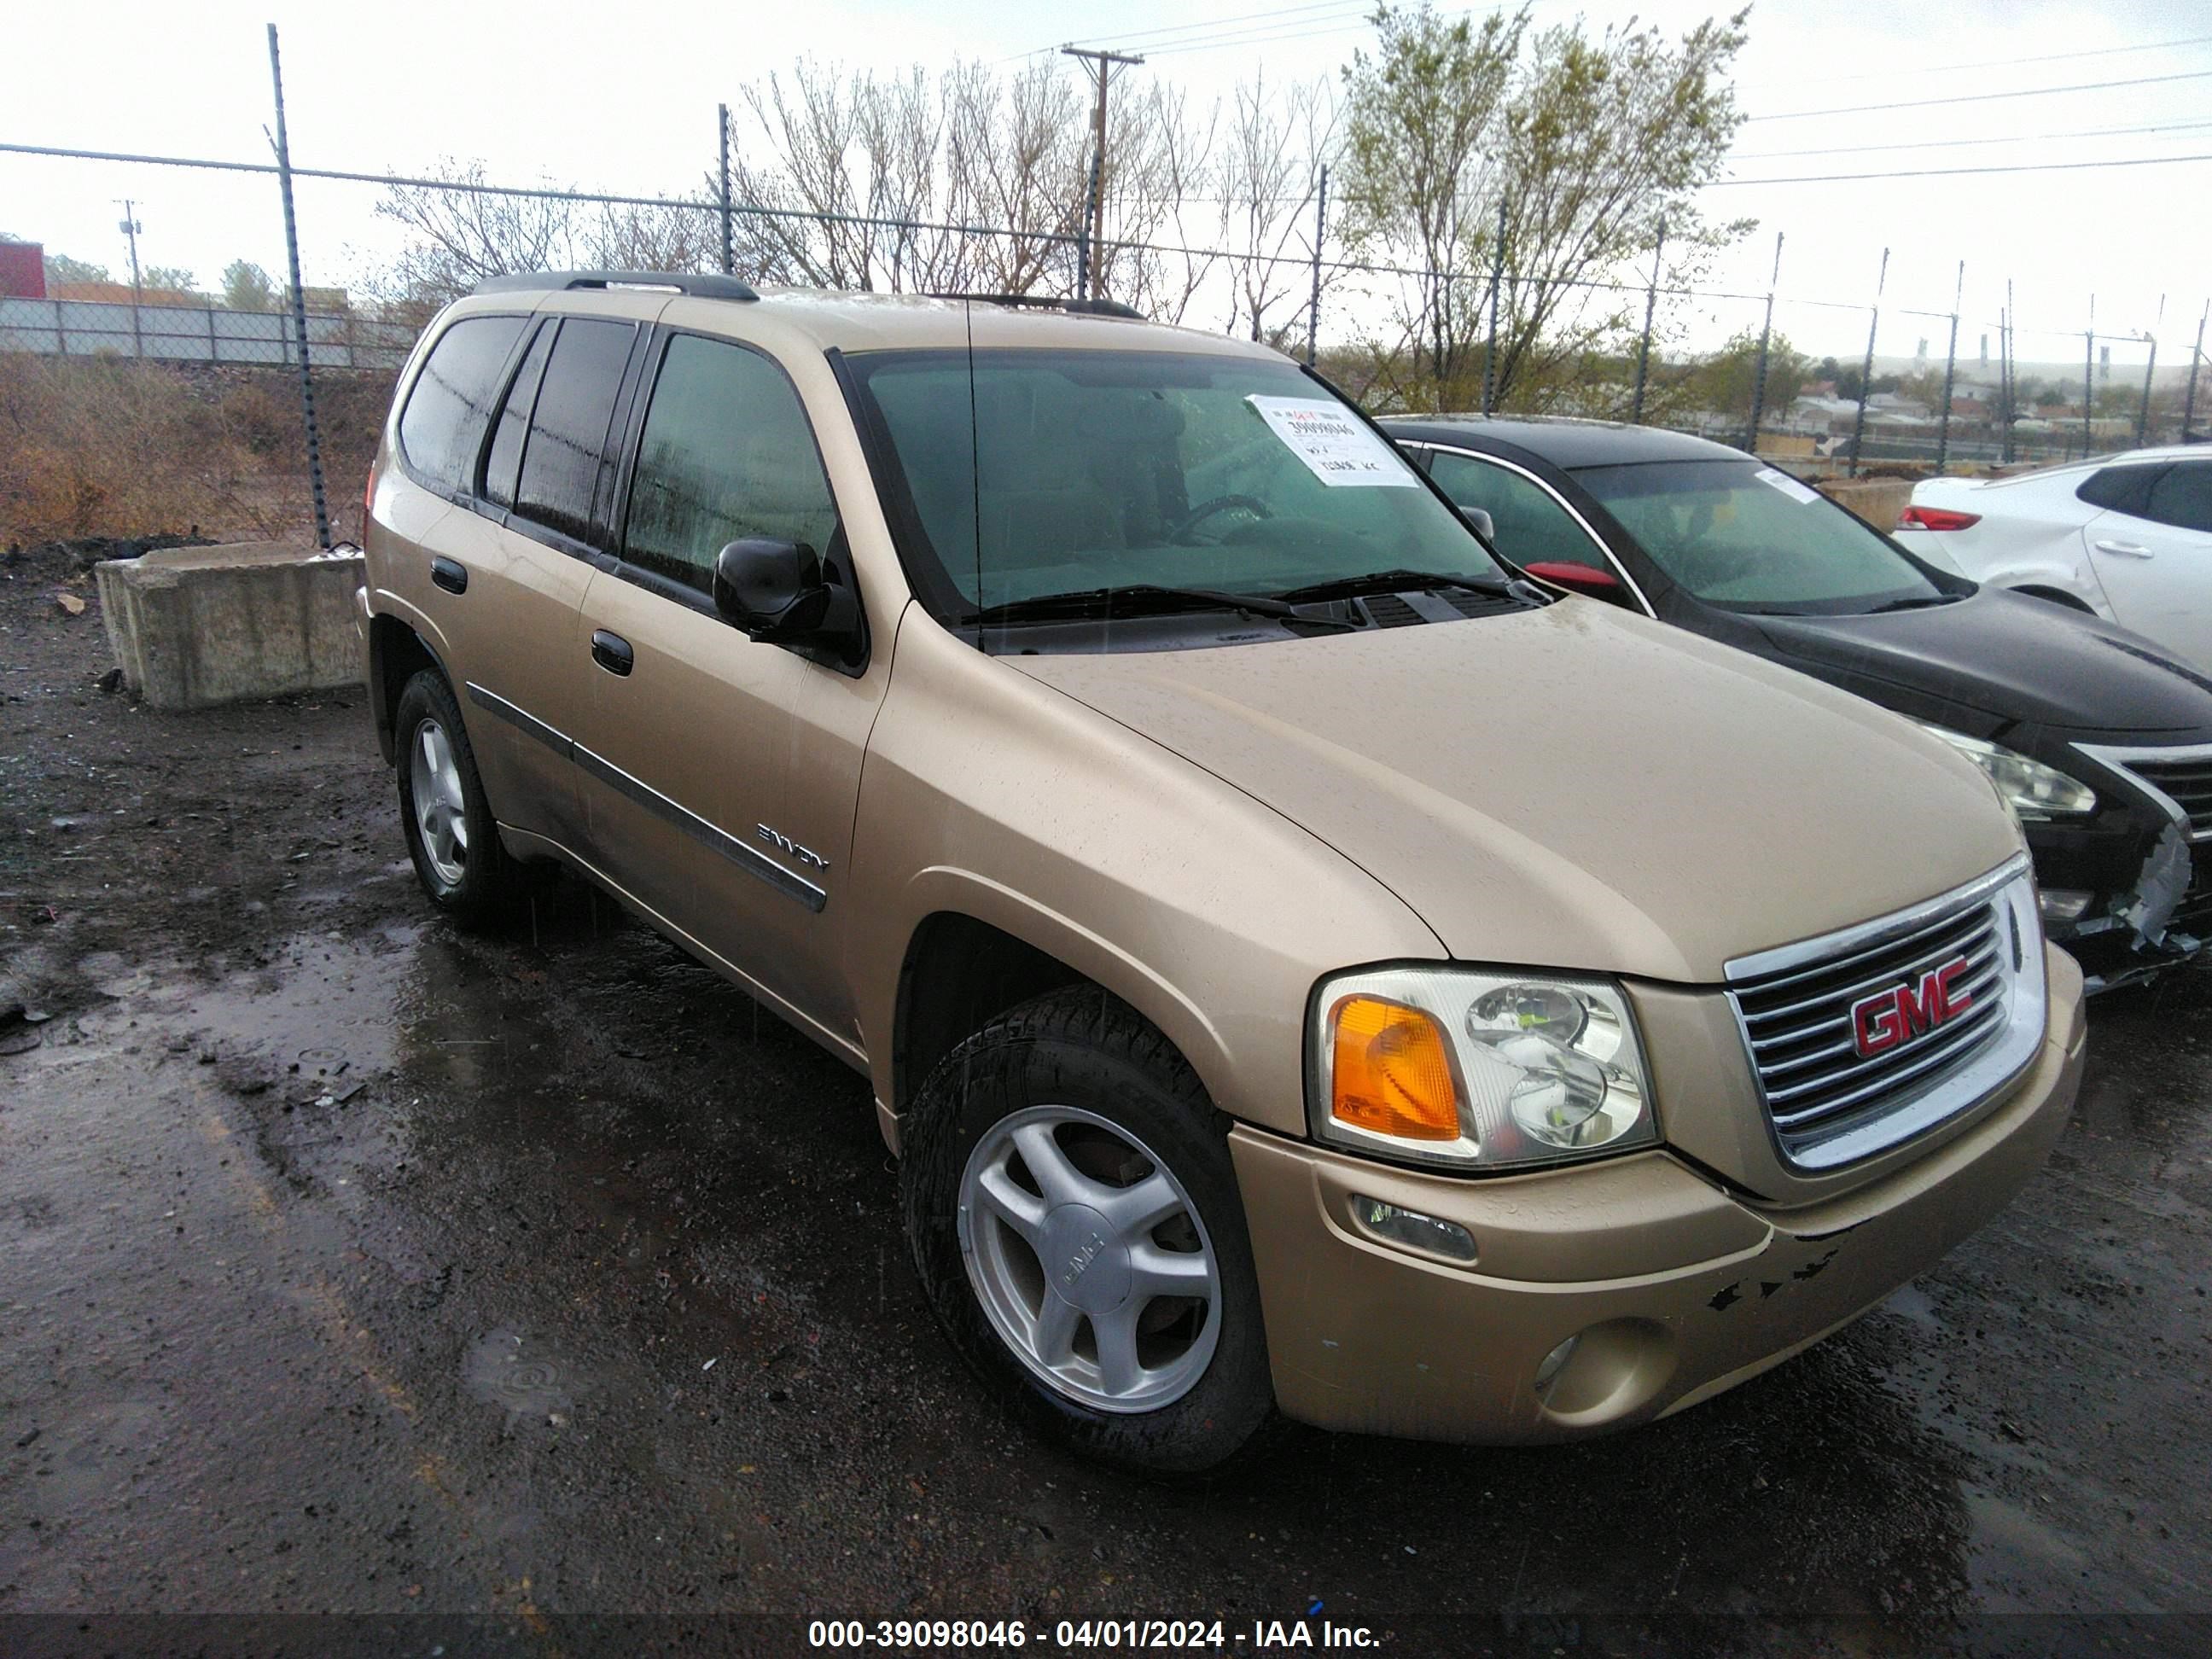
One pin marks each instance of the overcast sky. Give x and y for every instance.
(623, 99)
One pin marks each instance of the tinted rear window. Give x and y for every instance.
(443, 425)
(2119, 489)
(568, 427)
(2183, 496)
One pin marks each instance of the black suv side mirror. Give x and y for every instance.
(785, 593)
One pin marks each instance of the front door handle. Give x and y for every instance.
(612, 651)
(450, 575)
(2125, 550)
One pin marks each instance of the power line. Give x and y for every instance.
(1146, 37)
(1954, 172)
(2040, 58)
(1263, 39)
(1985, 97)
(1957, 143)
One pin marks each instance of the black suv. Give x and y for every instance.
(2071, 717)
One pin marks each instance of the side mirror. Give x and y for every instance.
(1478, 520)
(1582, 578)
(785, 593)
(770, 589)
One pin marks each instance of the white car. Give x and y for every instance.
(2128, 536)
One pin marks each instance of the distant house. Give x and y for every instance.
(118, 294)
(22, 271)
(1896, 403)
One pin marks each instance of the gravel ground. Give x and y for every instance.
(352, 1265)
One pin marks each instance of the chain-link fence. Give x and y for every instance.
(1961, 403)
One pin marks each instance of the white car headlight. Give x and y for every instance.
(1476, 1069)
(2035, 792)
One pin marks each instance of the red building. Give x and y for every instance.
(22, 271)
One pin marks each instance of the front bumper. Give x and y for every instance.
(1678, 1289)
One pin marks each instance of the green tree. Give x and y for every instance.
(1722, 380)
(1585, 146)
(175, 278)
(247, 288)
(1417, 171)
(60, 268)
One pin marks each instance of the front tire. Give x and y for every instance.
(1074, 1217)
(451, 834)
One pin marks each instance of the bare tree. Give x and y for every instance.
(460, 233)
(1268, 174)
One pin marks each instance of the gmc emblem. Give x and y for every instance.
(1905, 1013)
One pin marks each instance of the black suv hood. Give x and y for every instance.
(2016, 660)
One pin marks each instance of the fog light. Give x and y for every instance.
(1549, 1367)
(1427, 1233)
(2062, 904)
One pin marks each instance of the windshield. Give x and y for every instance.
(1070, 472)
(1746, 538)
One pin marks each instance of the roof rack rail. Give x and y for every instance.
(1078, 308)
(706, 285)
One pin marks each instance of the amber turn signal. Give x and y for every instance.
(1391, 1073)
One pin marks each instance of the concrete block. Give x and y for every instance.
(192, 626)
(1878, 501)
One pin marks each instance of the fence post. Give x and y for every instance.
(729, 228)
(1094, 245)
(1490, 351)
(1643, 350)
(2089, 379)
(2195, 363)
(2143, 415)
(1950, 373)
(1866, 370)
(2006, 320)
(214, 356)
(1320, 229)
(1759, 373)
(298, 301)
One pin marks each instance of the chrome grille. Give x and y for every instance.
(2184, 778)
(1830, 1103)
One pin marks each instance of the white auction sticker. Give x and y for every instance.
(1329, 439)
(1788, 485)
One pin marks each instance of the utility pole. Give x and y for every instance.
(130, 227)
(1101, 64)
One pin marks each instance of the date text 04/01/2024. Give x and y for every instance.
(1202, 1634)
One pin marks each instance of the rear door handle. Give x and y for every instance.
(612, 651)
(2125, 550)
(450, 576)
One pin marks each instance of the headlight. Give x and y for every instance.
(1452, 1067)
(2034, 791)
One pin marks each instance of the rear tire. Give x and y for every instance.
(451, 834)
(1074, 1217)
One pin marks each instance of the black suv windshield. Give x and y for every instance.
(1069, 472)
(1746, 538)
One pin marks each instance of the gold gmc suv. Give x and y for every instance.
(1302, 964)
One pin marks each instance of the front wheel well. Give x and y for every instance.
(958, 974)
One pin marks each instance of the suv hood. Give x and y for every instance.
(2018, 660)
(1572, 786)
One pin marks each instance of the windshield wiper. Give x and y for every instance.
(1914, 603)
(1140, 599)
(1395, 581)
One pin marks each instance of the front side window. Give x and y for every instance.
(1528, 525)
(727, 455)
(1746, 538)
(1058, 471)
(568, 425)
(2183, 496)
(442, 427)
